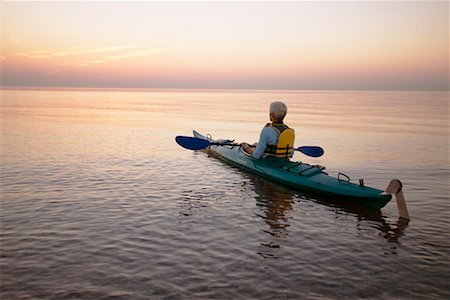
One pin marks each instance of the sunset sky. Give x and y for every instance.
(247, 45)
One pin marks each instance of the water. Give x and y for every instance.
(99, 202)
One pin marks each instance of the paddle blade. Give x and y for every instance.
(192, 143)
(313, 151)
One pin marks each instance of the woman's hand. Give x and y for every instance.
(247, 148)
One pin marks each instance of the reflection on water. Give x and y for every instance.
(391, 231)
(275, 203)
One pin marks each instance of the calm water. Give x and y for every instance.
(99, 202)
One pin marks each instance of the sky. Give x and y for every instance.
(299, 45)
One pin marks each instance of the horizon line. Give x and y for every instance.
(2, 87)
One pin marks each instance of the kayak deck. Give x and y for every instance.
(299, 175)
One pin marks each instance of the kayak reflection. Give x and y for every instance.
(389, 230)
(276, 203)
(276, 209)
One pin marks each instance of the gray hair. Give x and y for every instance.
(279, 110)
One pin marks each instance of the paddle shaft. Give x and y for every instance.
(251, 146)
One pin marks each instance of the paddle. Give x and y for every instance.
(193, 143)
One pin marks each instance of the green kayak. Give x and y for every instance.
(299, 175)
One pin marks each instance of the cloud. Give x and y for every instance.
(91, 55)
(89, 50)
(35, 53)
(83, 63)
(15, 40)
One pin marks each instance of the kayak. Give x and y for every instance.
(298, 175)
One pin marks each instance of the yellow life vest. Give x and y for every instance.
(285, 143)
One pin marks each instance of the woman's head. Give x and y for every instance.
(278, 110)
